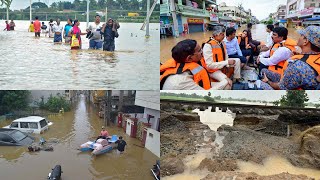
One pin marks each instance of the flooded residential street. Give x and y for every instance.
(36, 63)
(71, 130)
(258, 33)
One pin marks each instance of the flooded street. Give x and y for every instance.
(44, 65)
(73, 129)
(258, 33)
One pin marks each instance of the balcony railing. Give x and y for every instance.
(188, 10)
(164, 8)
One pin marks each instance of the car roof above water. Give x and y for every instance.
(29, 119)
(6, 130)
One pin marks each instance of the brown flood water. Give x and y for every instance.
(258, 33)
(73, 129)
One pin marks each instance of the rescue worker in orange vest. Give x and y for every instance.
(184, 71)
(301, 71)
(215, 58)
(272, 61)
(245, 46)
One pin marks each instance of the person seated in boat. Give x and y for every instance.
(183, 71)
(300, 71)
(269, 41)
(121, 145)
(233, 48)
(103, 134)
(272, 61)
(255, 43)
(216, 60)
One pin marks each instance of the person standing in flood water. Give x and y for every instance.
(95, 36)
(109, 31)
(121, 145)
(37, 27)
(31, 27)
(75, 34)
(67, 28)
(12, 25)
(57, 30)
(7, 26)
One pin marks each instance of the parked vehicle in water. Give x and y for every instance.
(13, 137)
(31, 124)
(55, 173)
(156, 170)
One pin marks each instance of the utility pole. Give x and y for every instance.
(88, 3)
(120, 101)
(106, 10)
(174, 18)
(107, 108)
(148, 19)
(30, 10)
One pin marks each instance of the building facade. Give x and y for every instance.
(190, 16)
(303, 12)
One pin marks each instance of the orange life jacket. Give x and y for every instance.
(289, 43)
(171, 67)
(313, 60)
(218, 54)
(240, 38)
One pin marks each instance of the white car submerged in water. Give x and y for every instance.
(30, 124)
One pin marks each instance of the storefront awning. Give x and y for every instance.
(312, 19)
(282, 21)
(214, 24)
(225, 18)
(311, 22)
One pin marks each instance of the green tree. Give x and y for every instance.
(276, 103)
(55, 103)
(209, 99)
(294, 99)
(13, 100)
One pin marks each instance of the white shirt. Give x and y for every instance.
(207, 54)
(57, 28)
(281, 54)
(269, 40)
(93, 27)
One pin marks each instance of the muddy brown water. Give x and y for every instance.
(31, 63)
(73, 129)
(258, 33)
(271, 165)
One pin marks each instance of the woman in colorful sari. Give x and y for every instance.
(75, 34)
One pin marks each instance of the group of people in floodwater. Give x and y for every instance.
(100, 35)
(280, 62)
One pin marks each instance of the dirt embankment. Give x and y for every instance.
(252, 138)
(182, 134)
(253, 176)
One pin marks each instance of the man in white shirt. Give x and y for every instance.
(57, 30)
(269, 41)
(211, 64)
(274, 56)
(95, 37)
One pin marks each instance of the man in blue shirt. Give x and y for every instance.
(233, 48)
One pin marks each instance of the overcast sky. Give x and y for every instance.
(259, 8)
(22, 4)
(314, 96)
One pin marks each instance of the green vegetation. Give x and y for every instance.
(54, 104)
(294, 99)
(117, 9)
(13, 100)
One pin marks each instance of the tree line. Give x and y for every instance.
(77, 9)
